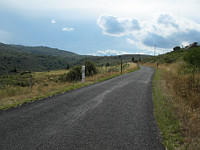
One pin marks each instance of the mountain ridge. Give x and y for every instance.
(42, 50)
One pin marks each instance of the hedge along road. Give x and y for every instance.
(116, 114)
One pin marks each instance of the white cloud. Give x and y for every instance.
(169, 31)
(116, 26)
(164, 30)
(130, 41)
(109, 53)
(53, 21)
(67, 29)
(118, 7)
(185, 44)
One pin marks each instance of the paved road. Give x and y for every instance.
(116, 114)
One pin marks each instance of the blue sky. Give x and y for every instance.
(101, 27)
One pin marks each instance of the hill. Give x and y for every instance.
(38, 50)
(14, 58)
(12, 61)
(188, 55)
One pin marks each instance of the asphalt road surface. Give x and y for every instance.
(116, 114)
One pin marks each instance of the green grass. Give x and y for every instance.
(166, 120)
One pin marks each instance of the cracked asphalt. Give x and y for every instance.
(116, 114)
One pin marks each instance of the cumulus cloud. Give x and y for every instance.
(109, 53)
(171, 31)
(53, 21)
(116, 26)
(176, 38)
(67, 29)
(167, 20)
(163, 30)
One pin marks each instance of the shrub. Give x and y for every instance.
(67, 66)
(73, 75)
(90, 68)
(193, 57)
(107, 64)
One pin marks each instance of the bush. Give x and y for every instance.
(107, 64)
(193, 57)
(90, 68)
(73, 75)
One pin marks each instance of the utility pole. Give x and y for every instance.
(139, 56)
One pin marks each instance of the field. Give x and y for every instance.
(20, 88)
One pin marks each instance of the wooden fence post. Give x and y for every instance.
(121, 66)
(31, 83)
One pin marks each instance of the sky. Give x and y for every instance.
(101, 27)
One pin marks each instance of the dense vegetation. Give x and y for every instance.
(193, 57)
(15, 58)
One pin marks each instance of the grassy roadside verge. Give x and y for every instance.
(64, 88)
(113, 76)
(169, 125)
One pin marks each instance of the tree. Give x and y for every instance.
(176, 48)
(90, 68)
(133, 59)
(67, 66)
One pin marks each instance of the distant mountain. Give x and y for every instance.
(39, 50)
(23, 58)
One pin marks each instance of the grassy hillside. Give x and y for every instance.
(191, 56)
(177, 97)
(16, 58)
(14, 61)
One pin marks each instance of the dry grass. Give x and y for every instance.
(47, 83)
(182, 89)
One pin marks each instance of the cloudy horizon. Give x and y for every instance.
(101, 27)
